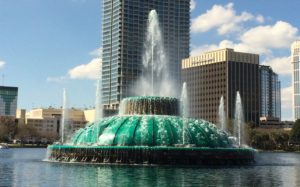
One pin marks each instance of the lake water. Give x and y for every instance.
(24, 167)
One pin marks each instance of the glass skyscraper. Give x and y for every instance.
(295, 51)
(124, 31)
(8, 100)
(270, 97)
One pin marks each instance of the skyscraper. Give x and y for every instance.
(295, 53)
(270, 93)
(124, 31)
(222, 73)
(8, 100)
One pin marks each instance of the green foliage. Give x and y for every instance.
(295, 133)
(269, 139)
(25, 132)
(7, 128)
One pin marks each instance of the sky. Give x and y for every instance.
(49, 45)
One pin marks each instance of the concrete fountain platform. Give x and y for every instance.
(152, 155)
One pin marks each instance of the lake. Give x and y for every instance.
(25, 167)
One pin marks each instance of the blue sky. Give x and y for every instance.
(49, 45)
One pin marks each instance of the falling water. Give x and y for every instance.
(155, 79)
(239, 119)
(222, 115)
(98, 107)
(184, 101)
(184, 110)
(64, 119)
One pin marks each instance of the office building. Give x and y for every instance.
(124, 31)
(222, 73)
(270, 93)
(8, 101)
(295, 53)
(47, 121)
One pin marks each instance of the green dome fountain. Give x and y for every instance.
(149, 131)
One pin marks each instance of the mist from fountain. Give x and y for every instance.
(222, 115)
(98, 104)
(64, 118)
(184, 102)
(239, 120)
(155, 79)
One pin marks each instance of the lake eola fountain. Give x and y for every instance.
(152, 129)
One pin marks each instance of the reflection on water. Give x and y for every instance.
(24, 167)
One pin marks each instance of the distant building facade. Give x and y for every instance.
(270, 90)
(124, 31)
(295, 58)
(8, 100)
(222, 73)
(47, 122)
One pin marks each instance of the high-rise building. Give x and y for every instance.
(124, 31)
(270, 93)
(8, 101)
(295, 51)
(222, 73)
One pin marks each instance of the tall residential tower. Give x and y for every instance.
(124, 31)
(270, 97)
(295, 51)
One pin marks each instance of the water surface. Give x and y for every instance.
(24, 167)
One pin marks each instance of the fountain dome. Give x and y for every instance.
(148, 121)
(149, 130)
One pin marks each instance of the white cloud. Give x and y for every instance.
(196, 50)
(223, 18)
(97, 53)
(279, 35)
(56, 79)
(287, 97)
(286, 103)
(2, 64)
(260, 39)
(280, 65)
(260, 19)
(193, 5)
(91, 70)
(204, 48)
(86, 71)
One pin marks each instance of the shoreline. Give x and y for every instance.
(26, 146)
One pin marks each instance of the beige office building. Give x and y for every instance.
(47, 122)
(222, 73)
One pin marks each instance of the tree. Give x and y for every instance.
(7, 128)
(295, 133)
(26, 132)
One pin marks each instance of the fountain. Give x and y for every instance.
(64, 118)
(98, 104)
(155, 78)
(149, 132)
(152, 129)
(239, 120)
(222, 115)
(184, 111)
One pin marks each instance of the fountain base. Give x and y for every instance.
(152, 155)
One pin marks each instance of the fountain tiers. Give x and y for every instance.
(150, 105)
(140, 138)
(152, 155)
